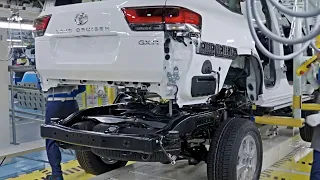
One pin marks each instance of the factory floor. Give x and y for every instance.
(294, 164)
(31, 166)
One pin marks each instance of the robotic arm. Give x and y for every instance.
(313, 75)
(312, 69)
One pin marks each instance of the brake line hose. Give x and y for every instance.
(253, 15)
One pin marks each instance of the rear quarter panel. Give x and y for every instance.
(219, 26)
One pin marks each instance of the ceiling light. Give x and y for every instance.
(16, 26)
(19, 46)
(14, 40)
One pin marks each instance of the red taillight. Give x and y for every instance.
(142, 16)
(154, 18)
(40, 25)
(185, 17)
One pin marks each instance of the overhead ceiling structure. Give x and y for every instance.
(27, 11)
(312, 5)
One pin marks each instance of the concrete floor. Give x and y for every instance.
(28, 163)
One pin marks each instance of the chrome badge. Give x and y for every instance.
(81, 19)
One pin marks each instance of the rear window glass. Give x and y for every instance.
(69, 2)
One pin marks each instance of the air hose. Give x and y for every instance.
(306, 41)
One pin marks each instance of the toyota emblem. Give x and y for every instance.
(81, 19)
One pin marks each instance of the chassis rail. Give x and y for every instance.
(121, 142)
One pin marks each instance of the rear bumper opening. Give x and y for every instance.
(120, 142)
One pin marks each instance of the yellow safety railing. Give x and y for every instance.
(279, 120)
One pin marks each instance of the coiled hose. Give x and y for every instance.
(307, 40)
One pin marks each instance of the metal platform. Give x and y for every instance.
(286, 157)
(275, 149)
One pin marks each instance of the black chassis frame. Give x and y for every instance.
(185, 127)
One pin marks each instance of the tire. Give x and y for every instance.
(223, 155)
(306, 132)
(95, 165)
(92, 163)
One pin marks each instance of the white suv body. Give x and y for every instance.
(199, 54)
(104, 43)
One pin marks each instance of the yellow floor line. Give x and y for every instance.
(289, 169)
(288, 163)
(71, 171)
(280, 175)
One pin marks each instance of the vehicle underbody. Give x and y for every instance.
(142, 129)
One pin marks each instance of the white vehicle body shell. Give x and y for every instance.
(65, 56)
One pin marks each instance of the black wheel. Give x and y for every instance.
(92, 163)
(96, 165)
(235, 152)
(306, 132)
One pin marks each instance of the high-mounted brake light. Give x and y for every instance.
(40, 25)
(158, 18)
